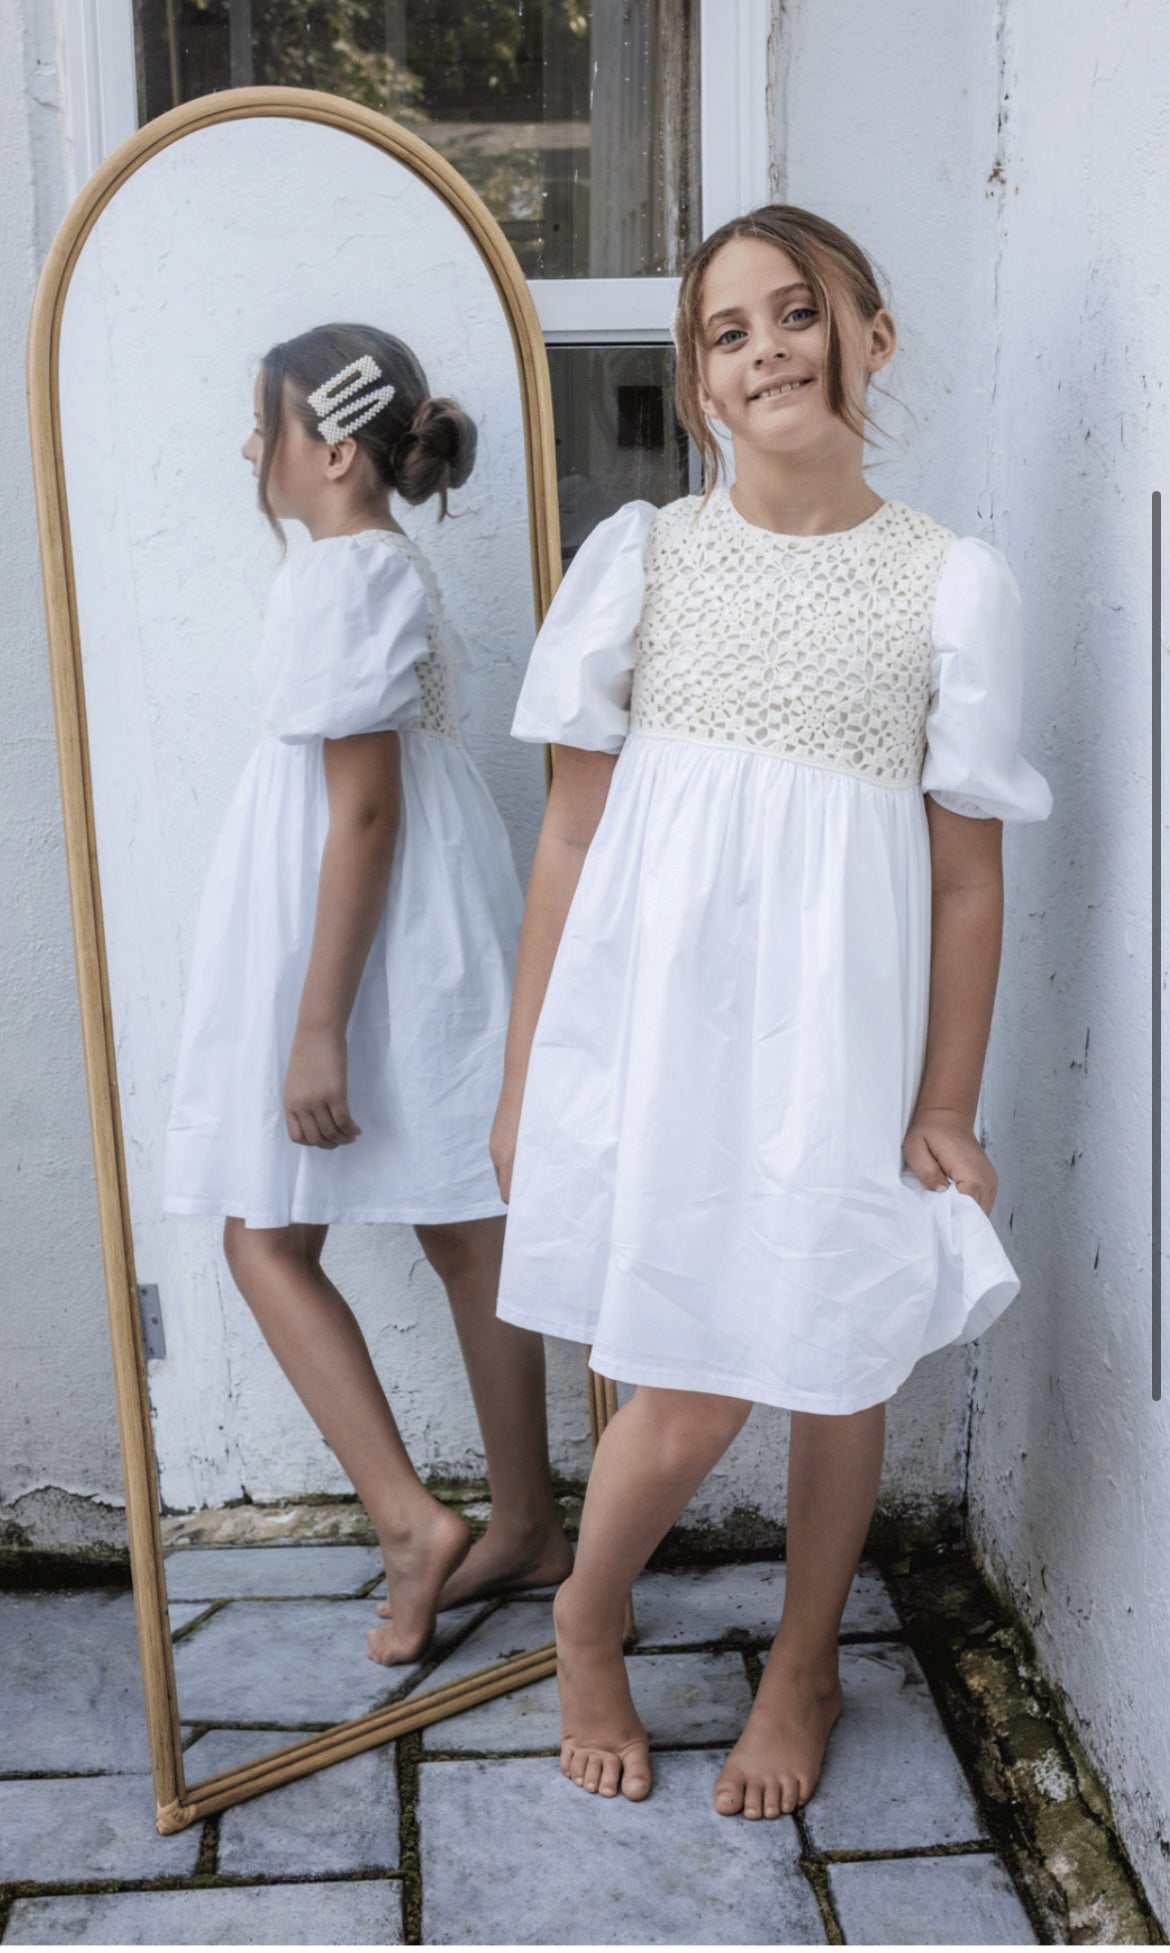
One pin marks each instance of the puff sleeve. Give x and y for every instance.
(576, 690)
(973, 764)
(346, 622)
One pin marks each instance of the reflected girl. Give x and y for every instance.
(342, 1046)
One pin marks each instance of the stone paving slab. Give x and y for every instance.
(513, 1853)
(691, 1698)
(364, 1912)
(512, 1630)
(289, 1662)
(709, 1603)
(960, 1901)
(71, 1683)
(269, 1572)
(63, 1830)
(891, 1780)
(342, 1819)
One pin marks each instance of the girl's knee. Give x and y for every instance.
(690, 1419)
(456, 1249)
(253, 1250)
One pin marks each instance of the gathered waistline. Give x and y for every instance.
(774, 753)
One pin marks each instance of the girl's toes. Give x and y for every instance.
(384, 1609)
(593, 1773)
(636, 1783)
(772, 1799)
(729, 1795)
(753, 1801)
(610, 1776)
(789, 1795)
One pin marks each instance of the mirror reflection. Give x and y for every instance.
(297, 486)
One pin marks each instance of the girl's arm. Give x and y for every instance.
(966, 861)
(576, 800)
(362, 780)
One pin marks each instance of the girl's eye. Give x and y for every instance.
(723, 336)
(810, 309)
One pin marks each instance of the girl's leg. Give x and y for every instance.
(834, 1470)
(525, 1544)
(650, 1461)
(314, 1335)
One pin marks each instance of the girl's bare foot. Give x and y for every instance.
(416, 1567)
(603, 1744)
(776, 1763)
(499, 1564)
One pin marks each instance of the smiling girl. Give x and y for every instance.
(756, 974)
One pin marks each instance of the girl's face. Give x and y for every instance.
(762, 346)
(301, 466)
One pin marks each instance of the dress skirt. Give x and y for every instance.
(708, 1184)
(426, 1034)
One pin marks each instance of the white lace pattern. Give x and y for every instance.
(814, 647)
(438, 673)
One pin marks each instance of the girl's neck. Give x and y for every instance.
(801, 500)
(351, 521)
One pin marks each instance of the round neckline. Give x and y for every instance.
(791, 536)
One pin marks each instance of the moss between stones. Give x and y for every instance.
(1049, 1816)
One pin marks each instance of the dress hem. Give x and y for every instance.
(983, 1310)
(225, 1210)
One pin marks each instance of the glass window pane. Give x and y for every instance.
(576, 120)
(617, 436)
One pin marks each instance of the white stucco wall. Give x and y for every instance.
(60, 1476)
(1070, 1459)
(1007, 166)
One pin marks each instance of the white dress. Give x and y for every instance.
(708, 1184)
(355, 640)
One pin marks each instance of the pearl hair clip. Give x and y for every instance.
(342, 408)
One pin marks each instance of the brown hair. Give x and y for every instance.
(421, 446)
(832, 264)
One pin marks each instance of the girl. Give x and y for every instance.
(756, 973)
(343, 1036)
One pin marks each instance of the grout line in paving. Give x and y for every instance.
(816, 1873)
(207, 1863)
(212, 1608)
(97, 1888)
(407, 1756)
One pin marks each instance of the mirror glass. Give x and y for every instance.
(235, 237)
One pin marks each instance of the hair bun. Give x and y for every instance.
(437, 451)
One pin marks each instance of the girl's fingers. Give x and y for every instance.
(293, 1128)
(312, 1131)
(325, 1125)
(346, 1125)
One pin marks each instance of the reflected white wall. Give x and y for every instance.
(234, 237)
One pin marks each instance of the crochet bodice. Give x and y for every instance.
(438, 676)
(817, 648)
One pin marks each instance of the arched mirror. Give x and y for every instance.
(228, 225)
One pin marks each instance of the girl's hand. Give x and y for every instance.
(502, 1141)
(940, 1146)
(316, 1108)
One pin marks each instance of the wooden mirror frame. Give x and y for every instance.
(177, 1806)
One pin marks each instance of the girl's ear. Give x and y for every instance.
(340, 458)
